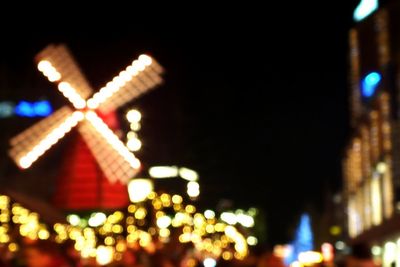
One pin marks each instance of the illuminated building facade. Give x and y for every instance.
(371, 162)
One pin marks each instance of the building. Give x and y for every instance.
(371, 161)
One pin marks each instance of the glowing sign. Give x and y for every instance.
(25, 109)
(364, 8)
(370, 83)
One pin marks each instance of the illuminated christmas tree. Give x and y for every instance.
(303, 240)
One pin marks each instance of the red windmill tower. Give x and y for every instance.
(98, 164)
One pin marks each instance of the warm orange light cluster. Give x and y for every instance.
(368, 169)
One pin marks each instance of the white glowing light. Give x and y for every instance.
(133, 115)
(188, 174)
(163, 171)
(52, 138)
(310, 257)
(112, 139)
(164, 221)
(365, 8)
(44, 65)
(209, 262)
(73, 219)
(139, 189)
(245, 220)
(209, 214)
(97, 219)
(134, 144)
(229, 217)
(104, 255)
(72, 95)
(49, 71)
(193, 189)
(252, 240)
(145, 59)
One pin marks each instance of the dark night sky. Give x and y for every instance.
(256, 104)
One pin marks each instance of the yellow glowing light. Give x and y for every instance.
(140, 213)
(13, 247)
(177, 199)
(252, 240)
(130, 220)
(190, 209)
(296, 264)
(185, 238)
(121, 246)
(226, 255)
(43, 234)
(164, 232)
(220, 227)
(335, 230)
(131, 208)
(117, 229)
(135, 126)
(4, 201)
(4, 238)
(381, 167)
(210, 228)
(109, 241)
(191, 262)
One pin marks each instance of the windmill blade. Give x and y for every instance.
(113, 157)
(141, 76)
(58, 59)
(29, 145)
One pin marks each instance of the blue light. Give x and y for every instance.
(370, 83)
(303, 240)
(24, 109)
(364, 8)
(42, 108)
(35, 109)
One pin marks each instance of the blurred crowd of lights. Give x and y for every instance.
(105, 236)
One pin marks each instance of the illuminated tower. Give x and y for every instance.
(371, 163)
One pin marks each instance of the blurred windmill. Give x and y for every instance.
(98, 166)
